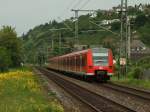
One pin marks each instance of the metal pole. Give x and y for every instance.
(77, 23)
(129, 39)
(76, 27)
(126, 30)
(121, 40)
(47, 54)
(60, 43)
(52, 45)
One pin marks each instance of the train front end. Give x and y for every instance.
(102, 63)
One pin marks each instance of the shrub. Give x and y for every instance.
(5, 59)
(137, 73)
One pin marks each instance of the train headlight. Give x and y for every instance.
(100, 68)
(110, 67)
(90, 67)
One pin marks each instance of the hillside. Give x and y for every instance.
(42, 41)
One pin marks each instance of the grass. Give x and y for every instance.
(21, 91)
(139, 83)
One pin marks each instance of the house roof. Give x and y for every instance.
(146, 51)
(137, 43)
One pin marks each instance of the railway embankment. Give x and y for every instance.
(138, 74)
(132, 82)
(131, 100)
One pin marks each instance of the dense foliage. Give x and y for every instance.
(5, 59)
(39, 39)
(10, 48)
(145, 33)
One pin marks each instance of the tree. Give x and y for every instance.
(12, 44)
(5, 59)
(111, 44)
(140, 20)
(115, 26)
(144, 34)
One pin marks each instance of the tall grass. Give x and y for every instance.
(130, 81)
(20, 91)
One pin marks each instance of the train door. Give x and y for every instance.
(80, 63)
(111, 65)
(84, 62)
(89, 62)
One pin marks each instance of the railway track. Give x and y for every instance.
(141, 94)
(97, 102)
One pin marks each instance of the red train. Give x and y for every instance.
(91, 63)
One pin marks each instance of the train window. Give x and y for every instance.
(100, 59)
(75, 60)
(66, 60)
(78, 61)
(84, 60)
(71, 61)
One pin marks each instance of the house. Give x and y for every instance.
(107, 22)
(139, 49)
(140, 7)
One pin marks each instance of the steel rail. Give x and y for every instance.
(128, 90)
(95, 101)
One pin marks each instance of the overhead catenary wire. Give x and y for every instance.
(71, 4)
(74, 4)
(77, 4)
(105, 28)
(67, 8)
(77, 21)
(85, 3)
(66, 25)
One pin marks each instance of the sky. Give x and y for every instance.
(26, 14)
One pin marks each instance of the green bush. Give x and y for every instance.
(137, 73)
(5, 59)
(144, 62)
(12, 45)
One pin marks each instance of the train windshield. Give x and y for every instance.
(100, 59)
